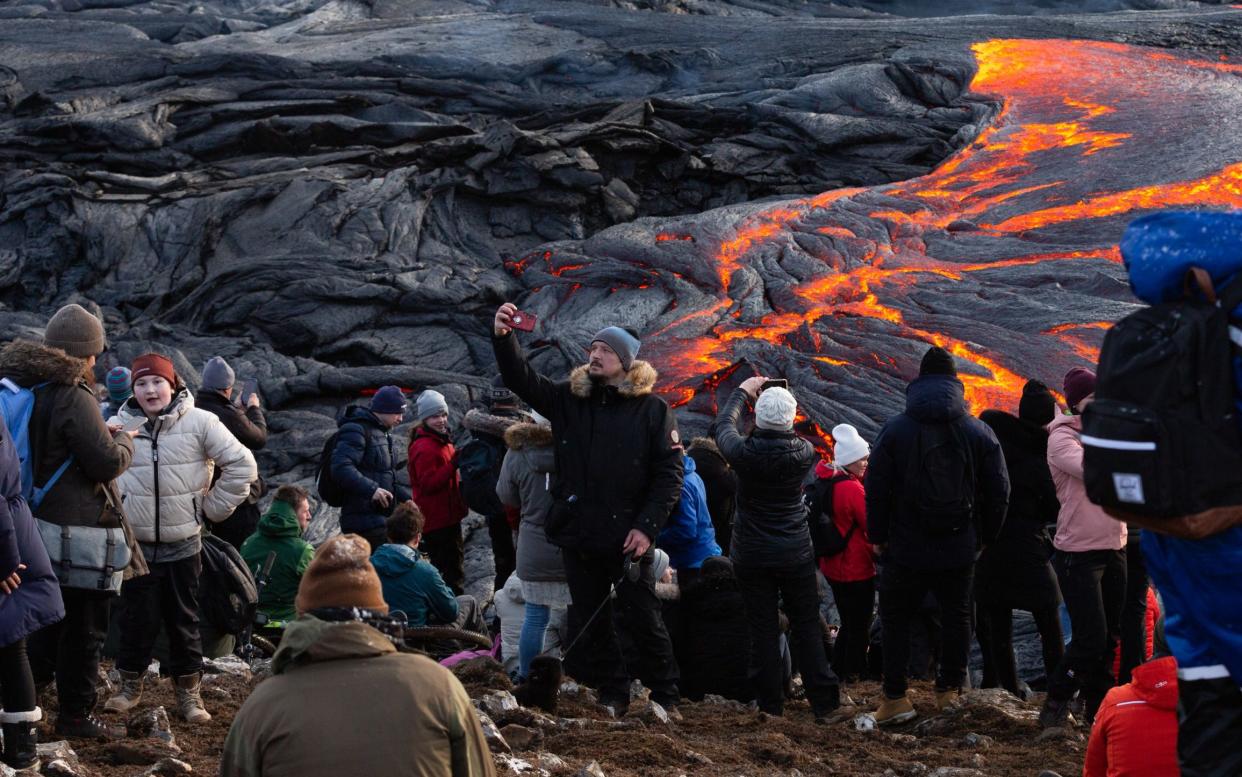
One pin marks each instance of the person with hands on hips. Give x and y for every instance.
(618, 476)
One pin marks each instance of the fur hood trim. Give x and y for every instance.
(479, 421)
(41, 363)
(639, 381)
(521, 436)
(705, 444)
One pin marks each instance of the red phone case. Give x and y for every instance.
(524, 321)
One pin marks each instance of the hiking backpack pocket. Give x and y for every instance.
(940, 479)
(1127, 458)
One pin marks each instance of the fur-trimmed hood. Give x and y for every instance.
(705, 444)
(639, 381)
(38, 363)
(485, 423)
(522, 436)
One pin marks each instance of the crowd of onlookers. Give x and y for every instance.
(628, 552)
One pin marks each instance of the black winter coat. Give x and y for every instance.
(363, 460)
(721, 483)
(1014, 570)
(771, 528)
(715, 645)
(933, 399)
(249, 426)
(618, 453)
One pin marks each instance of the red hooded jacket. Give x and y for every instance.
(434, 481)
(1135, 733)
(849, 508)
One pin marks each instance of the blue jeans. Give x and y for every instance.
(530, 644)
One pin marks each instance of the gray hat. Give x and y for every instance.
(217, 374)
(430, 402)
(623, 342)
(76, 331)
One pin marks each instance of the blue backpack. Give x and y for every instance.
(17, 403)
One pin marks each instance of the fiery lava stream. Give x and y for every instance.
(1072, 146)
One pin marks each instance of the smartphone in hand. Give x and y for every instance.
(524, 321)
(774, 383)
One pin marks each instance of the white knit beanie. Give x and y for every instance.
(775, 410)
(848, 447)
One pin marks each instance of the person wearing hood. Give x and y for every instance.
(715, 635)
(169, 494)
(1090, 564)
(436, 486)
(412, 585)
(407, 715)
(850, 573)
(689, 537)
(1014, 572)
(364, 463)
(525, 483)
(478, 486)
(1135, 731)
(66, 424)
(249, 426)
(280, 532)
(720, 482)
(937, 491)
(772, 552)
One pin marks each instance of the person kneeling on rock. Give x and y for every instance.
(343, 700)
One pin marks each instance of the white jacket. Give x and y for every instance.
(190, 443)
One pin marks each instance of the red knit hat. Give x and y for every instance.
(153, 364)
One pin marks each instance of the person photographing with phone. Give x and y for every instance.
(772, 552)
(618, 476)
(241, 414)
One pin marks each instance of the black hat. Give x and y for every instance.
(937, 361)
(1037, 405)
(501, 395)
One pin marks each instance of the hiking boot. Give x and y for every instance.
(894, 711)
(87, 727)
(129, 695)
(190, 700)
(945, 699)
(20, 738)
(1054, 713)
(830, 703)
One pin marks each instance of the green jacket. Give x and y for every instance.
(279, 531)
(343, 701)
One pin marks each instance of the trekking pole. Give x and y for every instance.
(247, 649)
(629, 570)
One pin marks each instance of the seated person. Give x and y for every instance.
(280, 530)
(715, 640)
(688, 537)
(412, 585)
(1135, 731)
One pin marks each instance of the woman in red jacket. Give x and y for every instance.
(850, 573)
(1135, 731)
(434, 483)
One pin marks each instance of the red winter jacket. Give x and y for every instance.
(849, 508)
(434, 481)
(1135, 733)
(1150, 616)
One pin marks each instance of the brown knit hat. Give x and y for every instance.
(76, 331)
(341, 575)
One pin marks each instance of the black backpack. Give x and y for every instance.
(479, 463)
(825, 537)
(330, 491)
(227, 591)
(940, 479)
(1161, 438)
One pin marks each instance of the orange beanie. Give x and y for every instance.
(341, 575)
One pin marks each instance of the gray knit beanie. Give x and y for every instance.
(623, 342)
(217, 374)
(430, 402)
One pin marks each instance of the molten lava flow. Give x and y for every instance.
(1074, 119)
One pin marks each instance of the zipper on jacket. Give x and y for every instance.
(155, 461)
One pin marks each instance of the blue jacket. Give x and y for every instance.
(689, 537)
(36, 602)
(364, 459)
(412, 585)
(1197, 579)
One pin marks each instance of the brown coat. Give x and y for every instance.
(344, 701)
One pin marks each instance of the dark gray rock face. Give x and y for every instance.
(336, 195)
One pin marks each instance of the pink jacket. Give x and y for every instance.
(1081, 525)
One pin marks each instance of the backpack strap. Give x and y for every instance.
(1198, 279)
(39, 492)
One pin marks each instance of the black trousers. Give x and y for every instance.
(1209, 727)
(445, 550)
(994, 630)
(1093, 584)
(765, 590)
(69, 651)
(590, 578)
(168, 596)
(902, 591)
(856, 606)
(1134, 613)
(504, 552)
(17, 688)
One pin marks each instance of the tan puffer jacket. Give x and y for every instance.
(191, 443)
